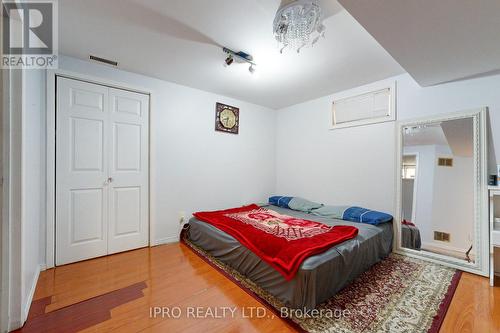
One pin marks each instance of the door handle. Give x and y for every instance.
(108, 181)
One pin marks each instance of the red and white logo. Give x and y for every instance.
(284, 226)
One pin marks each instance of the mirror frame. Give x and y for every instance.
(481, 226)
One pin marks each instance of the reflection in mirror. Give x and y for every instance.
(437, 190)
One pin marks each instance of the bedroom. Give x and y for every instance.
(190, 107)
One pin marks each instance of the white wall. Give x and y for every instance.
(12, 207)
(356, 165)
(22, 195)
(3, 230)
(193, 166)
(33, 183)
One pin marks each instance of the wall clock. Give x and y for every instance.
(227, 118)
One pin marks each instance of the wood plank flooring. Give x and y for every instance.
(119, 293)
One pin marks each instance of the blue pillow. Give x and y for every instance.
(363, 215)
(280, 201)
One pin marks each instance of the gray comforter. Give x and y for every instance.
(319, 277)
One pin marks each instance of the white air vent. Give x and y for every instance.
(373, 107)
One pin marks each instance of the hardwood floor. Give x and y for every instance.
(116, 293)
(475, 307)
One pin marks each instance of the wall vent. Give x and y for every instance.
(445, 162)
(368, 108)
(441, 236)
(105, 61)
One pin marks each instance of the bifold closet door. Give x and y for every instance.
(128, 186)
(81, 171)
(101, 170)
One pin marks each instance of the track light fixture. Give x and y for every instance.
(240, 57)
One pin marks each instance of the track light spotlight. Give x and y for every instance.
(252, 69)
(229, 60)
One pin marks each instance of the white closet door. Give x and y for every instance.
(102, 171)
(81, 171)
(128, 170)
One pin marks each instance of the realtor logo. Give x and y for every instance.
(29, 34)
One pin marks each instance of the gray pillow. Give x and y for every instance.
(303, 205)
(333, 212)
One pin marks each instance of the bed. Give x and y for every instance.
(319, 277)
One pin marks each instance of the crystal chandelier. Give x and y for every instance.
(298, 23)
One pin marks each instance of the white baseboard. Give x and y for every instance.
(445, 247)
(26, 307)
(166, 240)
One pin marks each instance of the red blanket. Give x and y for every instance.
(282, 241)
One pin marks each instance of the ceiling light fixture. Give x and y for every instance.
(298, 23)
(240, 57)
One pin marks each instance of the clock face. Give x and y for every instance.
(227, 118)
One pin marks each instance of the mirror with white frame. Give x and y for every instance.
(441, 190)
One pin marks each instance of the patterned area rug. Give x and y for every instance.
(399, 294)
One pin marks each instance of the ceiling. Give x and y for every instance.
(180, 41)
(436, 41)
(459, 134)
